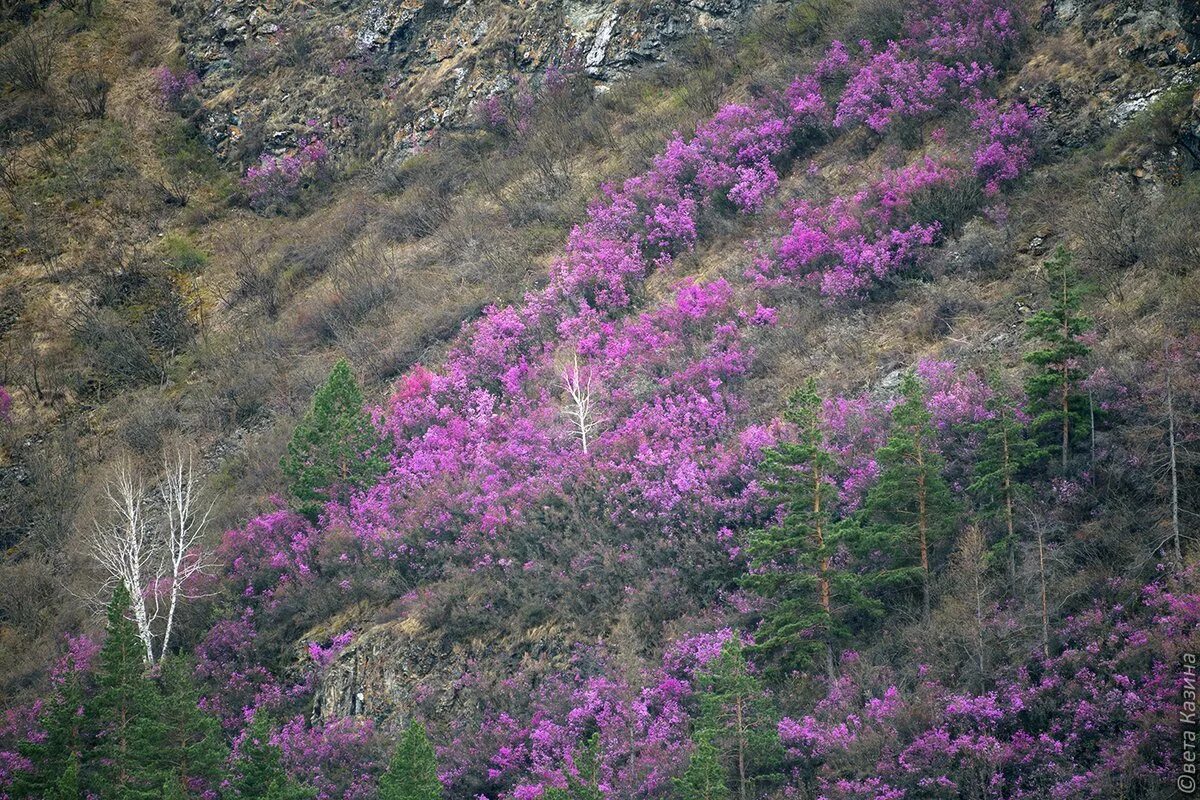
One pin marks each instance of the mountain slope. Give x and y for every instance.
(568, 614)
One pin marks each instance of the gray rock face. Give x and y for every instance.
(392, 668)
(275, 66)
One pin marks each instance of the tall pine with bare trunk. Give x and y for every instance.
(1061, 411)
(809, 598)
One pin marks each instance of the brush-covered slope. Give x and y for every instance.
(837, 445)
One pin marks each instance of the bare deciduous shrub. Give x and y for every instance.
(87, 9)
(937, 307)
(28, 61)
(948, 206)
(149, 421)
(877, 20)
(1171, 242)
(245, 383)
(978, 249)
(1110, 228)
(321, 243)
(708, 73)
(89, 90)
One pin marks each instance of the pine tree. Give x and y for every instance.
(910, 508)
(128, 759)
(257, 772)
(412, 773)
(193, 746)
(704, 778)
(791, 562)
(1005, 450)
(1057, 404)
(335, 448)
(738, 719)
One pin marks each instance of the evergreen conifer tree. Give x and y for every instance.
(194, 750)
(1005, 451)
(335, 448)
(127, 761)
(910, 509)
(1059, 408)
(257, 771)
(704, 778)
(809, 598)
(412, 773)
(55, 756)
(67, 785)
(737, 718)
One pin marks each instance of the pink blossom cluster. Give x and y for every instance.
(279, 179)
(1093, 720)
(642, 727)
(174, 86)
(1007, 148)
(324, 655)
(334, 759)
(891, 86)
(482, 441)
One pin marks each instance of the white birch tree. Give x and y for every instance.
(154, 552)
(580, 409)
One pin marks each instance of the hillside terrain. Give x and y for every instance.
(517, 400)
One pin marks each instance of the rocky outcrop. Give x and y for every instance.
(407, 66)
(392, 668)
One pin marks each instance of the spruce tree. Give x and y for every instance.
(257, 771)
(704, 778)
(809, 599)
(739, 721)
(412, 773)
(128, 759)
(334, 449)
(193, 747)
(1059, 408)
(910, 509)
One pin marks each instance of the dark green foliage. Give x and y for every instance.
(257, 771)
(194, 750)
(1058, 407)
(126, 761)
(810, 600)
(334, 449)
(704, 778)
(67, 786)
(55, 760)
(909, 510)
(586, 785)
(412, 773)
(738, 719)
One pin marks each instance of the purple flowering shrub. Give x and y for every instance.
(491, 511)
(174, 86)
(335, 759)
(1095, 720)
(279, 180)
